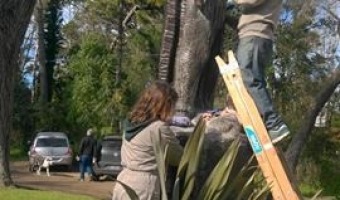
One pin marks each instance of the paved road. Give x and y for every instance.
(60, 181)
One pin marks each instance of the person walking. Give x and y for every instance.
(256, 29)
(151, 115)
(87, 155)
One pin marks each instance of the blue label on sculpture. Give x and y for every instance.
(254, 140)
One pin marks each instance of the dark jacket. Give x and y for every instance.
(87, 146)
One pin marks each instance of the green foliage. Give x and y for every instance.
(308, 174)
(95, 101)
(294, 70)
(17, 153)
(142, 51)
(23, 122)
(52, 37)
(95, 96)
(308, 190)
(190, 160)
(130, 192)
(219, 184)
(161, 164)
(330, 177)
(318, 168)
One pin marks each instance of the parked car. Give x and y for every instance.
(50, 144)
(108, 156)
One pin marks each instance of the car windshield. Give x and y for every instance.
(112, 144)
(51, 142)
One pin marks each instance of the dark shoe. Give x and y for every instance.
(278, 133)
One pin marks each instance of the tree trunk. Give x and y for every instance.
(14, 19)
(200, 40)
(43, 77)
(214, 12)
(300, 138)
(169, 41)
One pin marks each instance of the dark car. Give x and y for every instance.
(108, 156)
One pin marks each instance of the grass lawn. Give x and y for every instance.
(23, 194)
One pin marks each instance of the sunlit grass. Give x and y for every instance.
(23, 194)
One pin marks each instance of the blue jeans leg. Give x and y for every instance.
(84, 164)
(90, 168)
(254, 54)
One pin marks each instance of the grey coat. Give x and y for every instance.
(139, 162)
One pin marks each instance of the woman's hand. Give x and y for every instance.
(207, 116)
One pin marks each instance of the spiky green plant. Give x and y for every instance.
(223, 181)
(219, 184)
(188, 165)
(130, 192)
(243, 185)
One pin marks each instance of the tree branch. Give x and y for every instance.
(129, 15)
(300, 138)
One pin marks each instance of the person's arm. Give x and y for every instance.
(94, 151)
(174, 149)
(81, 147)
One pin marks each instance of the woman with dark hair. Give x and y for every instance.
(151, 115)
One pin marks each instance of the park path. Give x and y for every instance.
(67, 182)
(59, 181)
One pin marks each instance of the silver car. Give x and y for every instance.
(54, 145)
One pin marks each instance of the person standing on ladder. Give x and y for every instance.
(256, 28)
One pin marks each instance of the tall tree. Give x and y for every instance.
(14, 19)
(193, 35)
(327, 82)
(52, 37)
(40, 21)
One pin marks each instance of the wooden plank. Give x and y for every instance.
(273, 170)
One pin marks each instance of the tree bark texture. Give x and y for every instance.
(204, 98)
(169, 41)
(300, 138)
(200, 39)
(14, 19)
(43, 77)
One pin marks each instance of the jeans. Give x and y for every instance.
(85, 165)
(254, 54)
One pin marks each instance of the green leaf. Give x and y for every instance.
(219, 176)
(190, 160)
(219, 185)
(316, 195)
(160, 159)
(131, 193)
(176, 190)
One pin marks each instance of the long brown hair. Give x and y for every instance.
(157, 102)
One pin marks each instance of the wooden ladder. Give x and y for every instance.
(269, 158)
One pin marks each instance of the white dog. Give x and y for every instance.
(47, 162)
